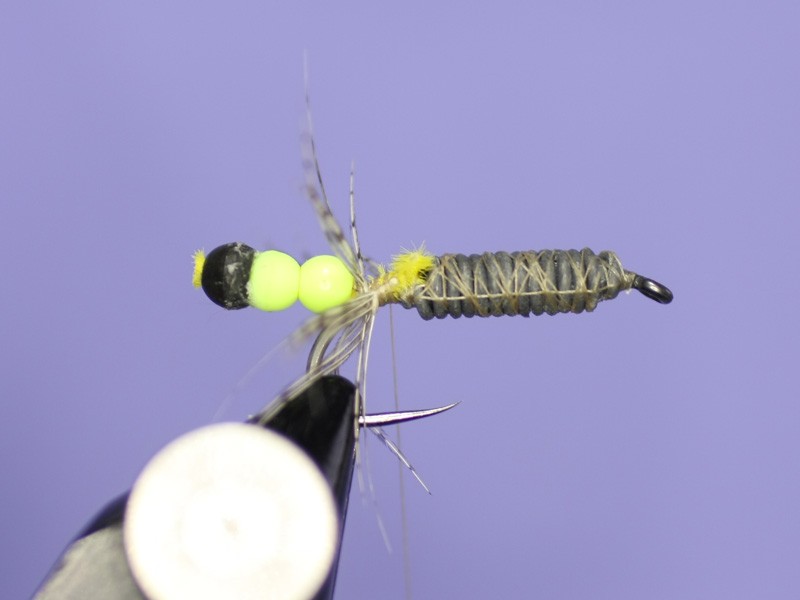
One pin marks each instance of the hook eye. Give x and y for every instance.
(652, 289)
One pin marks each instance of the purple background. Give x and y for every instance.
(642, 451)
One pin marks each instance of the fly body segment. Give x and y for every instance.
(346, 290)
(494, 284)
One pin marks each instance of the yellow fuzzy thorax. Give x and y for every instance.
(199, 260)
(407, 271)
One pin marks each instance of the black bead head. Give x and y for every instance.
(226, 272)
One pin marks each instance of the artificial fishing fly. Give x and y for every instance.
(346, 290)
(483, 285)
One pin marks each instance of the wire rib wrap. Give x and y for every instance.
(494, 284)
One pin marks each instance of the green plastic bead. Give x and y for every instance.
(274, 281)
(325, 282)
